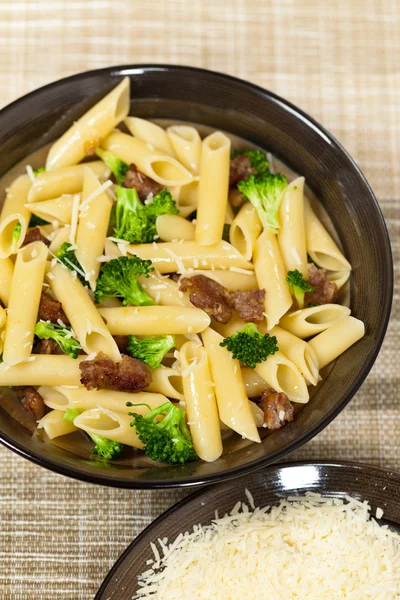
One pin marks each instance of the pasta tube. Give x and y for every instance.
(25, 292)
(233, 404)
(163, 168)
(6, 275)
(42, 369)
(310, 321)
(174, 228)
(171, 257)
(245, 229)
(230, 279)
(167, 381)
(283, 376)
(332, 342)
(150, 133)
(254, 384)
(54, 424)
(85, 320)
(186, 142)
(58, 209)
(299, 352)
(14, 213)
(201, 405)
(271, 276)
(186, 198)
(213, 188)
(164, 291)
(154, 320)
(109, 424)
(88, 132)
(338, 277)
(292, 235)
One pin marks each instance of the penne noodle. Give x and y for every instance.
(310, 321)
(85, 320)
(338, 277)
(92, 227)
(229, 215)
(6, 275)
(58, 209)
(186, 142)
(110, 424)
(254, 384)
(172, 257)
(320, 246)
(258, 414)
(14, 213)
(173, 228)
(167, 381)
(87, 133)
(61, 235)
(164, 291)
(25, 292)
(42, 369)
(54, 424)
(245, 229)
(292, 234)
(271, 276)
(154, 320)
(282, 375)
(233, 405)
(186, 198)
(150, 134)
(213, 188)
(68, 180)
(332, 342)
(230, 279)
(163, 168)
(201, 405)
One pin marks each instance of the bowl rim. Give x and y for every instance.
(197, 495)
(122, 482)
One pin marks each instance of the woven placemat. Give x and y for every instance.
(337, 60)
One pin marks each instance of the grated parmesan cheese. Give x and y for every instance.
(305, 548)
(239, 270)
(190, 368)
(30, 172)
(104, 186)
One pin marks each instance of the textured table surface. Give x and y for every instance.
(337, 60)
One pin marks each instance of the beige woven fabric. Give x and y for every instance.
(340, 62)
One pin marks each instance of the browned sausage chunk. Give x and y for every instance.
(122, 342)
(240, 168)
(325, 291)
(143, 185)
(209, 295)
(277, 409)
(34, 235)
(128, 375)
(47, 347)
(51, 310)
(30, 399)
(249, 305)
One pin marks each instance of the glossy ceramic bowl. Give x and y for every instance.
(263, 118)
(378, 486)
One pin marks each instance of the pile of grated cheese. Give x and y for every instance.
(308, 547)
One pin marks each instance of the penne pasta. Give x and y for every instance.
(258, 414)
(58, 209)
(42, 369)
(164, 291)
(85, 320)
(338, 277)
(25, 292)
(154, 320)
(173, 257)
(163, 168)
(110, 424)
(310, 321)
(201, 405)
(332, 342)
(245, 229)
(167, 381)
(230, 279)
(213, 189)
(60, 236)
(186, 198)
(14, 214)
(92, 227)
(271, 276)
(186, 143)
(54, 424)
(282, 375)
(254, 384)
(6, 275)
(173, 228)
(320, 246)
(87, 133)
(292, 234)
(150, 134)
(233, 405)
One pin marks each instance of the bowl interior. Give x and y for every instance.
(260, 117)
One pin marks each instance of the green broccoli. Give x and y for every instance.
(265, 193)
(249, 346)
(103, 447)
(62, 335)
(15, 237)
(68, 258)
(36, 172)
(120, 278)
(36, 221)
(136, 222)
(118, 167)
(168, 440)
(258, 160)
(298, 286)
(150, 350)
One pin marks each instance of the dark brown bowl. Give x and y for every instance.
(265, 119)
(379, 487)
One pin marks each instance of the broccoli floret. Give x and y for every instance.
(136, 222)
(62, 335)
(249, 346)
(15, 237)
(103, 447)
(71, 414)
(265, 193)
(36, 221)
(39, 170)
(120, 278)
(168, 440)
(68, 258)
(298, 286)
(150, 350)
(258, 159)
(118, 167)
